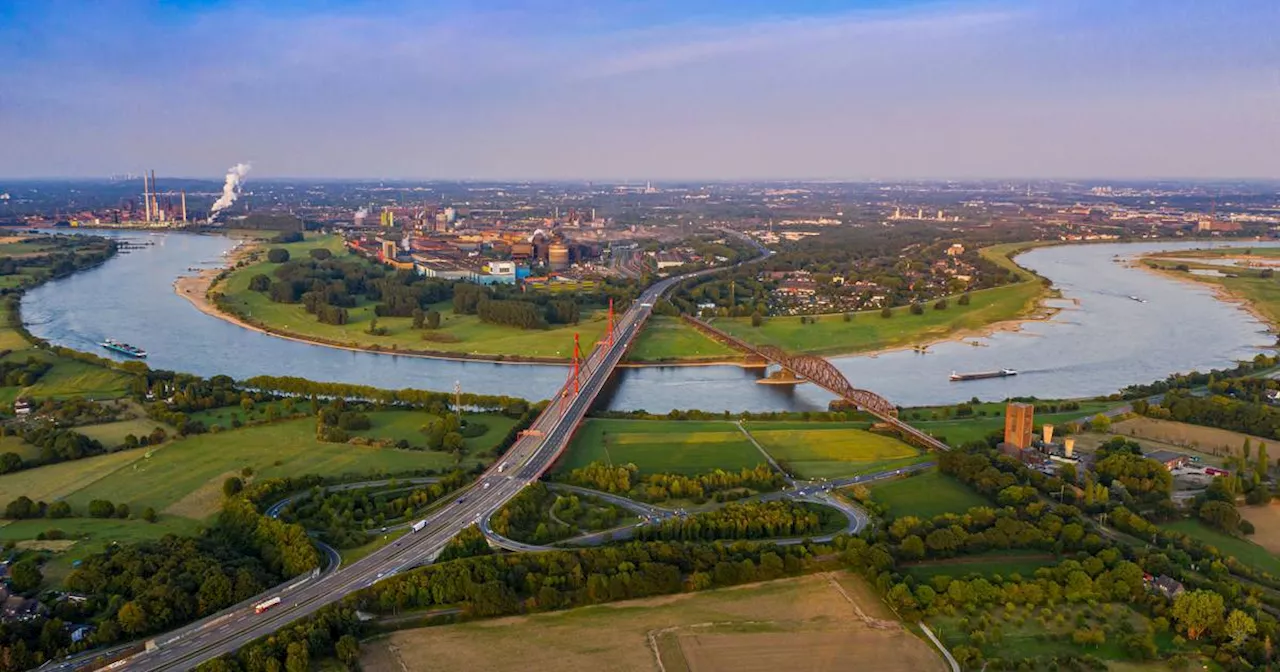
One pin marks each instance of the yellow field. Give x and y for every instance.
(1266, 522)
(810, 622)
(59, 480)
(1201, 439)
(830, 452)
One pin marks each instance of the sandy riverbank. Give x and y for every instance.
(1220, 292)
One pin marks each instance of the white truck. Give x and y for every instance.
(417, 527)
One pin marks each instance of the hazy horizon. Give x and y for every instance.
(697, 91)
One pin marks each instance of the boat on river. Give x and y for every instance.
(124, 348)
(1002, 373)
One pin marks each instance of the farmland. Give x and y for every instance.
(1208, 440)
(1266, 520)
(829, 451)
(758, 627)
(659, 446)
(926, 495)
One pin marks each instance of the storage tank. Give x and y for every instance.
(1068, 446)
(558, 256)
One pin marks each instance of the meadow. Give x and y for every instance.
(1241, 549)
(667, 339)
(823, 451)
(926, 495)
(817, 620)
(661, 446)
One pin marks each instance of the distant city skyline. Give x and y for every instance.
(662, 91)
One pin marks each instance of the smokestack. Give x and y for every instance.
(1048, 434)
(184, 206)
(155, 204)
(1068, 445)
(146, 195)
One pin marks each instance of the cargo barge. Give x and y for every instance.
(124, 348)
(1002, 373)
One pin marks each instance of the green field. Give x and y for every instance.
(668, 338)
(926, 495)
(661, 446)
(397, 425)
(869, 331)
(56, 481)
(831, 451)
(1024, 636)
(86, 536)
(180, 474)
(1241, 549)
(462, 334)
(1004, 562)
(112, 434)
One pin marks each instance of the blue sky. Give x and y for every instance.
(625, 89)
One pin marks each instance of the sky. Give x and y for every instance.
(642, 89)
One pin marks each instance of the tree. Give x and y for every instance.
(1198, 611)
(25, 576)
(133, 618)
(232, 486)
(260, 283)
(59, 510)
(964, 299)
(940, 305)
(1221, 515)
(297, 659)
(1239, 626)
(1100, 423)
(347, 649)
(277, 255)
(419, 318)
(917, 309)
(757, 319)
(149, 515)
(320, 253)
(1260, 467)
(1247, 448)
(886, 312)
(101, 508)
(433, 319)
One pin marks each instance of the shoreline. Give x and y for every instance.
(195, 289)
(1220, 293)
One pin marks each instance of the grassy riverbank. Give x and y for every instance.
(458, 335)
(1246, 282)
(869, 331)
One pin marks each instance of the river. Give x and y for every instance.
(1100, 341)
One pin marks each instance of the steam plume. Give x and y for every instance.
(230, 189)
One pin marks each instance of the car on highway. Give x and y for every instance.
(486, 485)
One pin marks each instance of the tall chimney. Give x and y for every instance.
(184, 206)
(1068, 445)
(146, 196)
(155, 202)
(1048, 434)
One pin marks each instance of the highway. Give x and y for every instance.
(524, 462)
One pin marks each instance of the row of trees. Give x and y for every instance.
(23, 373)
(1247, 416)
(747, 520)
(626, 480)
(55, 445)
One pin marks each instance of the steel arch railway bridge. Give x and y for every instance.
(820, 372)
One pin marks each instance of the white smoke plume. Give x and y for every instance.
(230, 189)
(362, 213)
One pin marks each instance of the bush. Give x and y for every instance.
(260, 283)
(101, 508)
(886, 312)
(1246, 527)
(917, 309)
(59, 510)
(232, 486)
(940, 305)
(320, 254)
(277, 255)
(963, 300)
(149, 515)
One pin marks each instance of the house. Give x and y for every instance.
(1168, 458)
(1272, 396)
(1167, 585)
(81, 632)
(22, 406)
